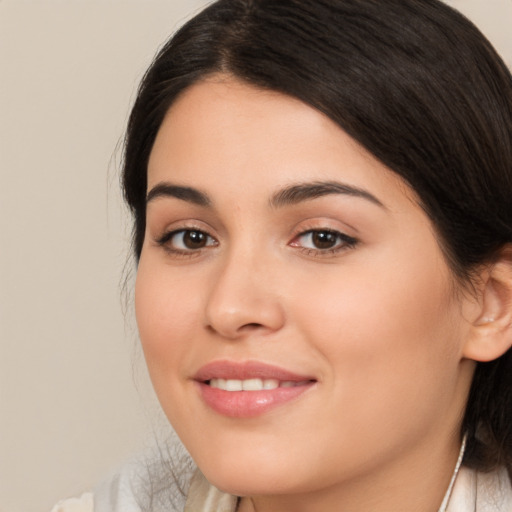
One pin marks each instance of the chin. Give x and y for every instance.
(251, 483)
(242, 475)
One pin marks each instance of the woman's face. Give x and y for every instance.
(297, 316)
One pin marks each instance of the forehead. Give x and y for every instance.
(222, 131)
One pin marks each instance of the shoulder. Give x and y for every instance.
(482, 492)
(83, 504)
(156, 480)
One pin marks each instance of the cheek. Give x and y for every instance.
(368, 310)
(387, 333)
(165, 317)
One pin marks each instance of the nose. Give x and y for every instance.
(244, 299)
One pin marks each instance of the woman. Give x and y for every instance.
(323, 230)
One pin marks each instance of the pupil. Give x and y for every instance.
(194, 239)
(324, 239)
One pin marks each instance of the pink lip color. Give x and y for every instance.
(248, 404)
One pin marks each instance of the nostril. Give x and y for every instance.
(245, 327)
(251, 326)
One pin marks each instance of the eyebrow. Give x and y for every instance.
(189, 194)
(306, 191)
(287, 196)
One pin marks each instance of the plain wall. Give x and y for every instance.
(69, 409)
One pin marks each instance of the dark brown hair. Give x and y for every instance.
(415, 83)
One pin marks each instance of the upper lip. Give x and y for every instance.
(247, 370)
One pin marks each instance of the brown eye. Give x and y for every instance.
(194, 239)
(187, 240)
(324, 239)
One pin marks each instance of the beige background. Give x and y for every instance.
(74, 399)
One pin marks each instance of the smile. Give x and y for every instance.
(250, 389)
(253, 384)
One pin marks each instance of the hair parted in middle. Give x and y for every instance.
(414, 82)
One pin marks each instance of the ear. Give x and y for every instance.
(491, 331)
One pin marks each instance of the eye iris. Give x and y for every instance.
(324, 239)
(194, 239)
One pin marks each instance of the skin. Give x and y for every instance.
(378, 323)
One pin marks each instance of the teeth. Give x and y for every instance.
(270, 384)
(250, 384)
(233, 385)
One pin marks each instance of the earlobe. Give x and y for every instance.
(491, 332)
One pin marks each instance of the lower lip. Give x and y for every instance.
(248, 404)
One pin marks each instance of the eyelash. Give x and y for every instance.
(344, 242)
(164, 241)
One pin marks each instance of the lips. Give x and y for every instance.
(244, 390)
